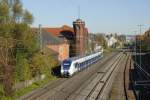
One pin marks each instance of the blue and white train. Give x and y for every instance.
(72, 65)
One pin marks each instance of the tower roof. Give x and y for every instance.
(79, 20)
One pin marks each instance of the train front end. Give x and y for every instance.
(65, 68)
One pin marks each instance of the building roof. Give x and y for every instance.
(48, 38)
(58, 30)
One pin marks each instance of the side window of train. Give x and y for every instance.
(76, 65)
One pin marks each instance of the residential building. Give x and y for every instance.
(111, 40)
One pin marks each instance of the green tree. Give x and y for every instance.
(27, 17)
(42, 64)
(22, 68)
(101, 40)
(13, 25)
(17, 10)
(4, 12)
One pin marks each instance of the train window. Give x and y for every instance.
(80, 65)
(76, 65)
(87, 62)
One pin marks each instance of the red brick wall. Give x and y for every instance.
(61, 49)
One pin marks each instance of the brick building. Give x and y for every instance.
(66, 33)
(81, 37)
(76, 36)
(57, 46)
(66, 41)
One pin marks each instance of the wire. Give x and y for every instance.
(143, 70)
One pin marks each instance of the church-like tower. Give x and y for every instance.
(81, 37)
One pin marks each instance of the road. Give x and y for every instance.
(90, 84)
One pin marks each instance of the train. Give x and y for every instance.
(73, 65)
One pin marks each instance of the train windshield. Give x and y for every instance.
(66, 64)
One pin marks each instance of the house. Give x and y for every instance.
(64, 33)
(56, 45)
(111, 40)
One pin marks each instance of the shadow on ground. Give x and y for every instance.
(56, 71)
(136, 75)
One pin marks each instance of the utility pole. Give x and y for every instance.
(40, 38)
(140, 26)
(135, 45)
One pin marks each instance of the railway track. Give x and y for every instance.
(106, 88)
(96, 85)
(129, 94)
(85, 91)
(126, 74)
(68, 88)
(123, 85)
(66, 93)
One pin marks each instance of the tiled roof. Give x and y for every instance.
(57, 31)
(53, 31)
(48, 38)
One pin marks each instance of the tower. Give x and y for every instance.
(80, 37)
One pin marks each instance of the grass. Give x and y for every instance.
(28, 89)
(108, 50)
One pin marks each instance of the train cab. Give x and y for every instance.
(65, 67)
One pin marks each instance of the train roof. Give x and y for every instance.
(75, 58)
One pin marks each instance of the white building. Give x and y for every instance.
(111, 40)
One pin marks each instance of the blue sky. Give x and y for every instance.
(121, 16)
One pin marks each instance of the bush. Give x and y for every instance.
(42, 64)
(22, 68)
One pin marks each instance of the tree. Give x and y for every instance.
(101, 40)
(28, 17)
(14, 27)
(22, 70)
(4, 12)
(20, 45)
(42, 64)
(17, 10)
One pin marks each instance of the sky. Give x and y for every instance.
(103, 16)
